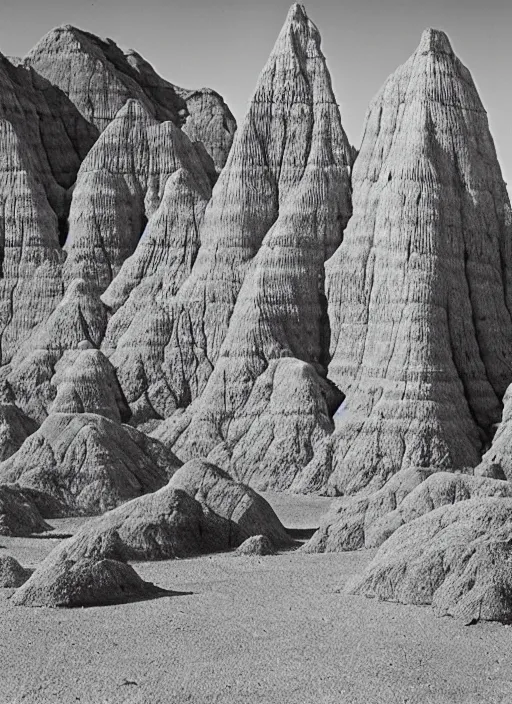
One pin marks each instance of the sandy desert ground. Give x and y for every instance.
(248, 630)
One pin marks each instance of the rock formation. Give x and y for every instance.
(87, 461)
(78, 322)
(97, 77)
(241, 510)
(15, 426)
(277, 211)
(209, 120)
(367, 520)
(19, 515)
(456, 558)
(256, 545)
(419, 291)
(12, 574)
(85, 583)
(119, 186)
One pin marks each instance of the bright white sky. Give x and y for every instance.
(225, 43)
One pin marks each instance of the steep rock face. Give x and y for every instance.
(79, 321)
(15, 426)
(119, 186)
(31, 258)
(366, 521)
(97, 77)
(273, 159)
(419, 291)
(209, 119)
(456, 558)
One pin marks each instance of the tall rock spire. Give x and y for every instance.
(420, 289)
(267, 403)
(271, 157)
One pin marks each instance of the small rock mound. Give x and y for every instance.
(85, 583)
(19, 515)
(12, 574)
(457, 558)
(256, 545)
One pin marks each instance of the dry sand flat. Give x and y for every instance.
(264, 630)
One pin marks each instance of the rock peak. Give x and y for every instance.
(436, 41)
(297, 13)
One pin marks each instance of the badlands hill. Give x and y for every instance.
(190, 312)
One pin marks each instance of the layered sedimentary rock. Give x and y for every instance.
(419, 291)
(119, 186)
(209, 119)
(367, 520)
(277, 210)
(90, 462)
(456, 558)
(85, 583)
(15, 426)
(497, 461)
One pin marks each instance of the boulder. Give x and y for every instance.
(12, 574)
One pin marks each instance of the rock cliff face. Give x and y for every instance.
(289, 152)
(419, 292)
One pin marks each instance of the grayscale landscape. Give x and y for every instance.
(255, 384)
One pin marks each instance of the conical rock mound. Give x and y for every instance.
(456, 558)
(89, 462)
(12, 574)
(86, 583)
(419, 291)
(119, 186)
(292, 130)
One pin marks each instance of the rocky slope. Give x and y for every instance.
(419, 291)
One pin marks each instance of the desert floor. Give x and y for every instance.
(248, 629)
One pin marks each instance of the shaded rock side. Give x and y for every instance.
(89, 463)
(419, 291)
(255, 546)
(367, 520)
(97, 77)
(209, 119)
(15, 426)
(272, 157)
(19, 515)
(119, 186)
(78, 322)
(85, 583)
(456, 558)
(12, 574)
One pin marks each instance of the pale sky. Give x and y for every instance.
(225, 43)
